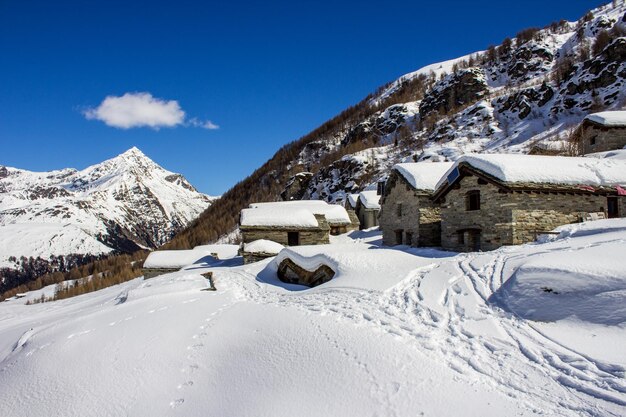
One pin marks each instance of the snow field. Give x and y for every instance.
(399, 331)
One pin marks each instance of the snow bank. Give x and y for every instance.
(587, 229)
(608, 118)
(356, 265)
(546, 169)
(423, 175)
(263, 246)
(370, 199)
(616, 154)
(587, 284)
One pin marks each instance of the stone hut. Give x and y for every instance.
(260, 249)
(408, 216)
(350, 206)
(293, 223)
(367, 208)
(599, 132)
(488, 201)
(165, 261)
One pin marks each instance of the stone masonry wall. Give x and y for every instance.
(606, 139)
(420, 216)
(307, 236)
(509, 218)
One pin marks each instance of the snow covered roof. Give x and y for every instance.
(278, 217)
(352, 199)
(563, 170)
(608, 118)
(174, 259)
(370, 199)
(423, 175)
(263, 246)
(335, 214)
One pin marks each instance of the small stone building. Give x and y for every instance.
(488, 201)
(599, 132)
(293, 223)
(367, 208)
(408, 216)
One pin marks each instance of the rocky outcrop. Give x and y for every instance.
(522, 102)
(296, 187)
(455, 90)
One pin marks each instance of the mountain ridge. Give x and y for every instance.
(527, 95)
(122, 204)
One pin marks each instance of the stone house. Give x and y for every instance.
(367, 208)
(293, 223)
(599, 132)
(492, 200)
(408, 215)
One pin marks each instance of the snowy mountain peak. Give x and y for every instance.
(123, 203)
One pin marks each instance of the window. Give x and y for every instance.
(592, 140)
(293, 238)
(611, 207)
(399, 237)
(380, 188)
(399, 209)
(472, 200)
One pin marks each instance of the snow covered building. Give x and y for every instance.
(293, 223)
(491, 200)
(367, 208)
(599, 132)
(408, 215)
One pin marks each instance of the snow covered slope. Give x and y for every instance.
(394, 333)
(122, 203)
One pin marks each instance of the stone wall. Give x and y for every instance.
(313, 236)
(155, 272)
(290, 272)
(419, 220)
(367, 217)
(509, 218)
(606, 139)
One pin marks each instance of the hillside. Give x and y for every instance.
(120, 205)
(524, 95)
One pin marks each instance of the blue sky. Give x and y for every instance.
(265, 72)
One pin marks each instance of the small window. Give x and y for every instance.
(592, 140)
(399, 209)
(380, 188)
(472, 200)
(399, 237)
(481, 181)
(293, 238)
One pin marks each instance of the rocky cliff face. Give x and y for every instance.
(121, 204)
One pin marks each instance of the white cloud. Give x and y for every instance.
(207, 124)
(137, 110)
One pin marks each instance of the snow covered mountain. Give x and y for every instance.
(523, 96)
(124, 203)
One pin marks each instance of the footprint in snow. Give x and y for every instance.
(177, 402)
